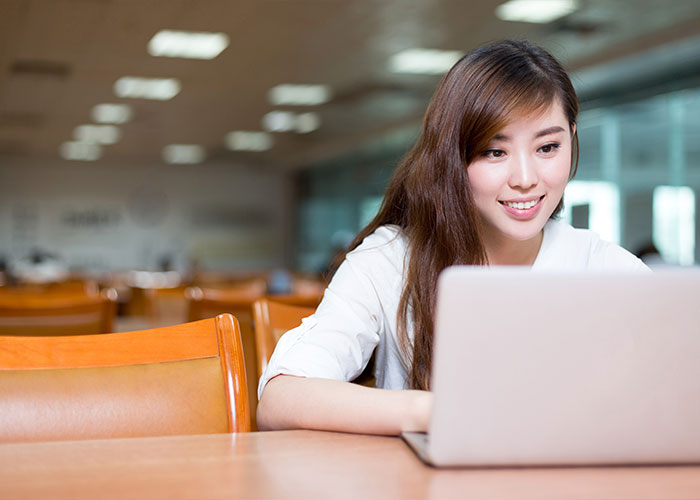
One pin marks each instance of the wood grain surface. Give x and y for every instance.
(301, 464)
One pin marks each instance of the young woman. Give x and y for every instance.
(481, 186)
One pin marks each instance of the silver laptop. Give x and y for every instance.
(535, 368)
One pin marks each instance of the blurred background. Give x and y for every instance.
(238, 137)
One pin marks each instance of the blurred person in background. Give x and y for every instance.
(39, 267)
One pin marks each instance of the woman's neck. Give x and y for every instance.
(506, 252)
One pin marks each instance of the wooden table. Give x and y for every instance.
(300, 465)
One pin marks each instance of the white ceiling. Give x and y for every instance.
(58, 58)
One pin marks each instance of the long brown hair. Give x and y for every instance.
(429, 196)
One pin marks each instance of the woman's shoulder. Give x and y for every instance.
(387, 239)
(380, 255)
(565, 246)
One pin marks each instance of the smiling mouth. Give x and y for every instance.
(521, 205)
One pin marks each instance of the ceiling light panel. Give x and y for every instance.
(242, 140)
(307, 122)
(288, 94)
(111, 113)
(424, 61)
(161, 89)
(97, 134)
(279, 121)
(81, 151)
(184, 154)
(287, 121)
(187, 44)
(535, 11)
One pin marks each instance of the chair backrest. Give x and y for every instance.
(183, 379)
(272, 319)
(57, 313)
(203, 303)
(160, 306)
(69, 286)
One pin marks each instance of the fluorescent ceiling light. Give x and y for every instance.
(81, 151)
(97, 134)
(183, 153)
(287, 121)
(288, 94)
(279, 121)
(535, 11)
(160, 89)
(241, 140)
(307, 122)
(424, 61)
(111, 113)
(187, 44)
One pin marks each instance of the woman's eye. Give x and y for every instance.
(549, 148)
(494, 153)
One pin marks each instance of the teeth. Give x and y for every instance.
(521, 205)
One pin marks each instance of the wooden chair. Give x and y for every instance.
(142, 287)
(165, 306)
(70, 286)
(311, 300)
(206, 303)
(57, 313)
(272, 319)
(183, 379)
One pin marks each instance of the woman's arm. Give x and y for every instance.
(289, 402)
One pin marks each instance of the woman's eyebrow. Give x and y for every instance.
(550, 130)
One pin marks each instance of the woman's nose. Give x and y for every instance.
(523, 173)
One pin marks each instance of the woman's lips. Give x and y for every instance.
(523, 209)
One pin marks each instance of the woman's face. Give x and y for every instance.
(518, 181)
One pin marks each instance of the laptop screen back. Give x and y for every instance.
(543, 368)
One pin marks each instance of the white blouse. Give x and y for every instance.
(357, 315)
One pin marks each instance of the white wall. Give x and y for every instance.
(99, 216)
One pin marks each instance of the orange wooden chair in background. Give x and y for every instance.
(206, 303)
(238, 300)
(56, 312)
(272, 319)
(183, 379)
(69, 286)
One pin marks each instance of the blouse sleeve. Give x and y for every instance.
(337, 341)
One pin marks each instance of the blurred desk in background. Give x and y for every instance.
(301, 464)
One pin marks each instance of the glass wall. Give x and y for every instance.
(646, 153)
(335, 200)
